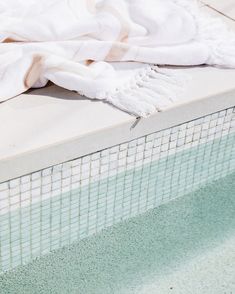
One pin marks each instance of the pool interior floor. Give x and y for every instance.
(185, 246)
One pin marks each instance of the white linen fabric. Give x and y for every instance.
(108, 49)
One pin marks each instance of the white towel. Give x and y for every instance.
(108, 49)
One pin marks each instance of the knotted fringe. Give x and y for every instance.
(156, 88)
(151, 89)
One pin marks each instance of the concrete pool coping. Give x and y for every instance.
(52, 125)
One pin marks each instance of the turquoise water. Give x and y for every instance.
(185, 246)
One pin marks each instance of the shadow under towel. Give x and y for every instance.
(107, 49)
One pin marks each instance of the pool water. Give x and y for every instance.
(184, 246)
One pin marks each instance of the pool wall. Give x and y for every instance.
(54, 207)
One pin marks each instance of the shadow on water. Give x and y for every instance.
(153, 244)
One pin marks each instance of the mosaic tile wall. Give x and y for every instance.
(57, 206)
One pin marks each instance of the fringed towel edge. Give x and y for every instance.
(151, 90)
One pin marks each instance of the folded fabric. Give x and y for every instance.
(108, 49)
